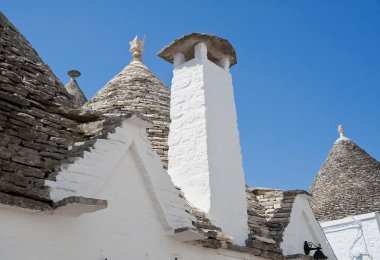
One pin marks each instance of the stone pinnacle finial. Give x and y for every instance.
(341, 131)
(341, 134)
(73, 88)
(74, 74)
(137, 48)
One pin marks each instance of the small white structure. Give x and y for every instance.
(356, 237)
(204, 156)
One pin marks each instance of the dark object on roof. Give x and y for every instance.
(217, 48)
(348, 183)
(74, 90)
(137, 89)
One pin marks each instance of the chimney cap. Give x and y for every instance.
(217, 48)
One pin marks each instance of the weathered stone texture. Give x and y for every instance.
(39, 123)
(137, 89)
(347, 184)
(75, 91)
(268, 215)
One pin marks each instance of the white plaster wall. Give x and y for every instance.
(302, 227)
(355, 238)
(87, 176)
(129, 228)
(204, 150)
(228, 196)
(188, 164)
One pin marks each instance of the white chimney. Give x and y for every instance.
(204, 150)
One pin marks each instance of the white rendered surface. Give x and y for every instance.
(133, 226)
(302, 227)
(356, 237)
(204, 150)
(88, 175)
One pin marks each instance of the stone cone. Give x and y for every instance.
(348, 183)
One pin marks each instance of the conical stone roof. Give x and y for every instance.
(348, 183)
(74, 90)
(39, 123)
(137, 89)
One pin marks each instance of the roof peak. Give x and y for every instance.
(341, 134)
(137, 48)
(73, 88)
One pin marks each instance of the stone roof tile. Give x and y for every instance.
(137, 89)
(348, 183)
(39, 123)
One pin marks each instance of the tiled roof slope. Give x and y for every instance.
(348, 183)
(38, 122)
(137, 89)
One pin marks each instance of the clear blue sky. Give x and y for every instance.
(303, 66)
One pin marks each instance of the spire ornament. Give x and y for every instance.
(341, 134)
(73, 74)
(341, 131)
(137, 48)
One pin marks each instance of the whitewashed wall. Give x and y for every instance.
(204, 150)
(355, 238)
(302, 227)
(130, 228)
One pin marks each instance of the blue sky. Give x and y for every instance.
(303, 66)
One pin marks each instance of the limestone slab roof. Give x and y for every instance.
(40, 126)
(217, 48)
(137, 89)
(348, 183)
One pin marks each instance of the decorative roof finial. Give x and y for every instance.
(341, 134)
(74, 74)
(137, 48)
(341, 131)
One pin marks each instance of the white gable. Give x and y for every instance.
(88, 175)
(302, 227)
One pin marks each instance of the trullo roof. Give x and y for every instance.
(348, 183)
(136, 89)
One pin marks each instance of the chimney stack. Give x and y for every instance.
(204, 148)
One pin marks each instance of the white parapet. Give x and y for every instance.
(204, 150)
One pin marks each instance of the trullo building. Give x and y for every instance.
(346, 200)
(116, 179)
